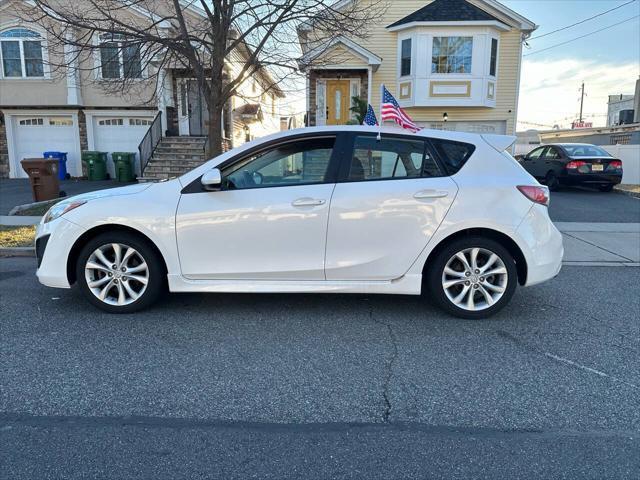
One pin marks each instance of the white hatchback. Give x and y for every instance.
(325, 209)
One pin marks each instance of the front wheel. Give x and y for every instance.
(551, 181)
(120, 272)
(472, 278)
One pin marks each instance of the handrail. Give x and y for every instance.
(150, 141)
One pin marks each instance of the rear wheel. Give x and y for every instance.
(472, 278)
(551, 181)
(606, 188)
(120, 272)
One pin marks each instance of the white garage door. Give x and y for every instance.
(119, 134)
(34, 135)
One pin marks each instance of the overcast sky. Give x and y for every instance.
(608, 62)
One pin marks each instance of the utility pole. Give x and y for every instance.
(581, 100)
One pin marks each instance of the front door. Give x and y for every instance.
(193, 115)
(338, 102)
(393, 200)
(269, 220)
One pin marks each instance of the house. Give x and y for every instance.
(72, 109)
(451, 64)
(620, 109)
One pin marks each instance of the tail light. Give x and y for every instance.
(575, 164)
(537, 193)
(617, 164)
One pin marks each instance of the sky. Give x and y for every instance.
(608, 62)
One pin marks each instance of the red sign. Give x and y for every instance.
(577, 124)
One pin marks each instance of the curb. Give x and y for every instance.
(19, 208)
(19, 220)
(627, 192)
(17, 252)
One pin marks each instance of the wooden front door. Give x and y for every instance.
(338, 102)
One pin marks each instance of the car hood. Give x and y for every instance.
(111, 192)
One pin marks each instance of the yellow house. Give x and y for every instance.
(451, 64)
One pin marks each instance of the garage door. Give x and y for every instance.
(37, 134)
(119, 134)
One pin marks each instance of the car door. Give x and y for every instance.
(532, 162)
(391, 198)
(551, 161)
(268, 221)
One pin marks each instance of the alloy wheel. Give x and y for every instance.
(117, 274)
(474, 279)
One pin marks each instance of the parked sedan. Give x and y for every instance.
(573, 164)
(323, 210)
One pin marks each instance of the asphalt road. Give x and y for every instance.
(587, 205)
(304, 386)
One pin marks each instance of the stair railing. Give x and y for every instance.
(150, 141)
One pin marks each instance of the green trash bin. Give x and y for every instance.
(96, 164)
(124, 163)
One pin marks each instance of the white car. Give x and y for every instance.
(325, 209)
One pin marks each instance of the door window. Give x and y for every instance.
(552, 154)
(296, 163)
(536, 154)
(390, 158)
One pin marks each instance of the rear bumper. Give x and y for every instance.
(541, 244)
(591, 178)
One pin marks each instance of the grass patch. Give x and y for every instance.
(17, 236)
(38, 210)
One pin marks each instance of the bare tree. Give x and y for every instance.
(221, 43)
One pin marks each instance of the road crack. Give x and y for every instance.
(388, 367)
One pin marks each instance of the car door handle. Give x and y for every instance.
(308, 202)
(430, 194)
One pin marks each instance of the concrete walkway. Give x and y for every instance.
(605, 244)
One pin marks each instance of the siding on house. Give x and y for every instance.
(384, 43)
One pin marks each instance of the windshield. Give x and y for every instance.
(585, 151)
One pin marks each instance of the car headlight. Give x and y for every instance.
(61, 208)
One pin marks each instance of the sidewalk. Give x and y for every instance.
(605, 244)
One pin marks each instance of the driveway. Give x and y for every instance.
(16, 191)
(303, 386)
(585, 205)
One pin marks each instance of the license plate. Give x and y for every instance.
(596, 167)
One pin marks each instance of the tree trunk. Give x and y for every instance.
(214, 145)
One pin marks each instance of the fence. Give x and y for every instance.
(150, 142)
(630, 156)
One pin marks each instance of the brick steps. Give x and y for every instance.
(175, 156)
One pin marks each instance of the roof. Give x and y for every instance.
(369, 57)
(447, 11)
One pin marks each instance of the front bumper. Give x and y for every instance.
(541, 244)
(54, 241)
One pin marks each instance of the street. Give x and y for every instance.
(320, 386)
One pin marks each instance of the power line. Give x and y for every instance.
(581, 36)
(582, 21)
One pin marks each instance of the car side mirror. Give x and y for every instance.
(212, 180)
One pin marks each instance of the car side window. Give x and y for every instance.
(390, 158)
(552, 154)
(452, 154)
(537, 153)
(294, 163)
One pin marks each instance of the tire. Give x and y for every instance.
(482, 308)
(551, 181)
(136, 294)
(606, 188)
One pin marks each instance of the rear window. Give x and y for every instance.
(585, 151)
(452, 154)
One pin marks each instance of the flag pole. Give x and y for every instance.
(379, 137)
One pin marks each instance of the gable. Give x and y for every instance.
(447, 11)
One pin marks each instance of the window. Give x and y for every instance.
(111, 121)
(390, 158)
(296, 163)
(140, 121)
(453, 154)
(32, 121)
(21, 52)
(405, 58)
(119, 59)
(537, 153)
(585, 151)
(552, 154)
(451, 55)
(60, 122)
(494, 57)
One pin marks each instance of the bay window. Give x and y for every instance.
(405, 57)
(452, 55)
(494, 57)
(21, 53)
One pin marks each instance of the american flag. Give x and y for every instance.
(370, 117)
(390, 110)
